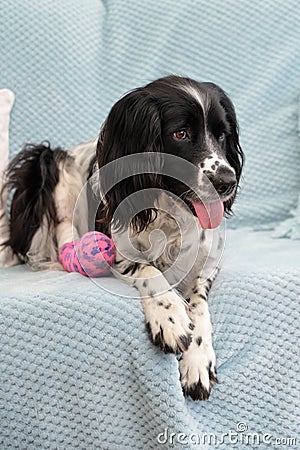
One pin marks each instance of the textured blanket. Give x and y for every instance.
(77, 369)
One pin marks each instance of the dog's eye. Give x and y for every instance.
(221, 137)
(181, 135)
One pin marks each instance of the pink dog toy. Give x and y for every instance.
(92, 255)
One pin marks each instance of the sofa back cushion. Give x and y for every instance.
(69, 61)
(251, 49)
(51, 58)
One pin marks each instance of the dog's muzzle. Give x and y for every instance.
(217, 189)
(224, 181)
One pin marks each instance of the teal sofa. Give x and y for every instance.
(77, 370)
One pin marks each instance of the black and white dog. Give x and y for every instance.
(187, 133)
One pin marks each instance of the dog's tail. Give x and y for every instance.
(31, 178)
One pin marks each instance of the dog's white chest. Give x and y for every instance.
(175, 243)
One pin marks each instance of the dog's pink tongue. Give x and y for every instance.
(210, 214)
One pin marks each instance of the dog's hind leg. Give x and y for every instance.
(72, 215)
(65, 196)
(70, 194)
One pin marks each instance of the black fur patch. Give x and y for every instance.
(159, 341)
(32, 175)
(185, 340)
(196, 391)
(213, 379)
(199, 340)
(131, 269)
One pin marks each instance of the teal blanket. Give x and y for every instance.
(78, 369)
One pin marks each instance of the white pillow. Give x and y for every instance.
(7, 99)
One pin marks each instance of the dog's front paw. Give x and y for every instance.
(198, 370)
(168, 323)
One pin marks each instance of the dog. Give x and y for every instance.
(175, 162)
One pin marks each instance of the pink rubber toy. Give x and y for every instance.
(92, 255)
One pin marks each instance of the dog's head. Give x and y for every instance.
(181, 117)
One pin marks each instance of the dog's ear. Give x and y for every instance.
(234, 153)
(132, 130)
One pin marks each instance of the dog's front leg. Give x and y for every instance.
(198, 364)
(166, 315)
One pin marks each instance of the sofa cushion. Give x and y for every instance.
(68, 62)
(252, 51)
(52, 58)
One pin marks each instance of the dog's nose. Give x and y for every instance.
(223, 180)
